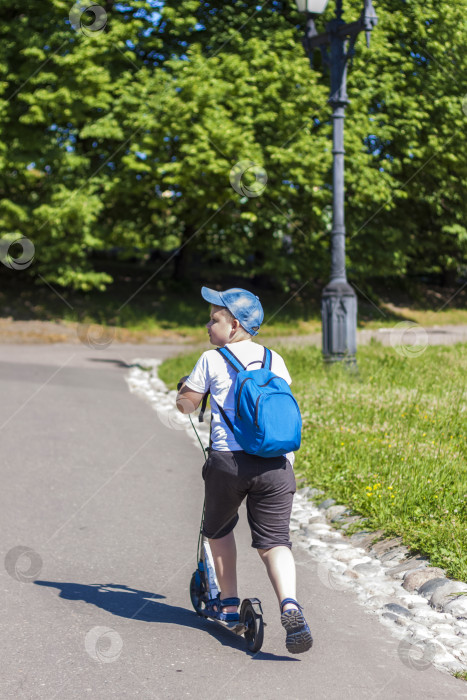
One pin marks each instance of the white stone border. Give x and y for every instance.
(429, 633)
(432, 626)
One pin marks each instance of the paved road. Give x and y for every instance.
(109, 501)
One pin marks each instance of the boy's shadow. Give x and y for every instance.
(145, 606)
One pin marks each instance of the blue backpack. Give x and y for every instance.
(267, 417)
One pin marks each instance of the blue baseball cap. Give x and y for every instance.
(243, 305)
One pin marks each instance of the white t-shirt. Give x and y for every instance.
(214, 373)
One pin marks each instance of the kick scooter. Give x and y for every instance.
(204, 587)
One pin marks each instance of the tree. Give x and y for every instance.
(210, 115)
(59, 145)
(406, 139)
(126, 131)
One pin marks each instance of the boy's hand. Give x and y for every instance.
(181, 382)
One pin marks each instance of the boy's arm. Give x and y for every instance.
(192, 388)
(187, 400)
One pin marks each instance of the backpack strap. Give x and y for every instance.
(234, 362)
(226, 418)
(231, 359)
(201, 419)
(267, 359)
(203, 407)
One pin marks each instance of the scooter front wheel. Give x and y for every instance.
(251, 617)
(197, 592)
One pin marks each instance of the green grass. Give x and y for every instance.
(389, 441)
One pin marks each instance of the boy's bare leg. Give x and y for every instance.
(224, 553)
(280, 566)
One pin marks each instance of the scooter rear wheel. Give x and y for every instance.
(253, 621)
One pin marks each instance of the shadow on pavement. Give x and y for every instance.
(145, 606)
(119, 363)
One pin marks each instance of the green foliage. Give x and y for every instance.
(389, 442)
(126, 138)
(408, 107)
(60, 151)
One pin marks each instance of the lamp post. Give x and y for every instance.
(339, 301)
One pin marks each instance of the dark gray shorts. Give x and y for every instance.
(268, 484)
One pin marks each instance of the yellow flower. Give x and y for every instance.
(389, 487)
(392, 495)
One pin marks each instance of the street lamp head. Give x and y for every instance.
(316, 7)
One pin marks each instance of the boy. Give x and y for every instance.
(230, 474)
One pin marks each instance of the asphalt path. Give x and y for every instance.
(106, 501)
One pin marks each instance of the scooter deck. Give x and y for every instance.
(236, 627)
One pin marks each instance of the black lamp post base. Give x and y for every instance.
(339, 318)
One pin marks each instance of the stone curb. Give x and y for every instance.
(421, 606)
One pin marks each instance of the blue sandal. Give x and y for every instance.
(299, 637)
(219, 604)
